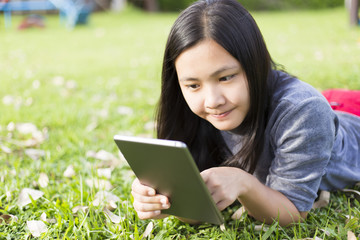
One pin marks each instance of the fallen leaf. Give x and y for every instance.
(126, 111)
(104, 172)
(111, 205)
(108, 159)
(8, 100)
(261, 228)
(79, 208)
(222, 227)
(8, 195)
(71, 84)
(237, 215)
(36, 84)
(101, 155)
(7, 218)
(24, 198)
(99, 184)
(69, 171)
(5, 149)
(43, 217)
(34, 154)
(323, 200)
(10, 127)
(351, 236)
(113, 218)
(103, 197)
(91, 126)
(58, 80)
(26, 128)
(36, 227)
(149, 228)
(43, 180)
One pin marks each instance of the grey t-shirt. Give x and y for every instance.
(308, 146)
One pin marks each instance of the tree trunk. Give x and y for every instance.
(353, 11)
(151, 5)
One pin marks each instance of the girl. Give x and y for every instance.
(258, 135)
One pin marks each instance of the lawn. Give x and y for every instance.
(65, 93)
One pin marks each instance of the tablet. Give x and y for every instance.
(168, 167)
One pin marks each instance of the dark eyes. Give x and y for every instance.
(227, 78)
(193, 86)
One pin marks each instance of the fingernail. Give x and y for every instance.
(151, 193)
(163, 201)
(157, 212)
(166, 206)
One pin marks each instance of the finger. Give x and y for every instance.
(142, 189)
(205, 175)
(159, 199)
(223, 204)
(149, 207)
(148, 215)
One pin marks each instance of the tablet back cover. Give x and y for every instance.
(168, 167)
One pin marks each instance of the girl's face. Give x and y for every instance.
(213, 84)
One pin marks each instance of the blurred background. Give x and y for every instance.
(73, 73)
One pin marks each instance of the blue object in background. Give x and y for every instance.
(73, 11)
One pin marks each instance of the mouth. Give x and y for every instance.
(221, 115)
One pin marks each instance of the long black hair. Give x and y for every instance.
(229, 24)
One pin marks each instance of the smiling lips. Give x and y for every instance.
(221, 115)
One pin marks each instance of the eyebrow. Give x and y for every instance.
(217, 72)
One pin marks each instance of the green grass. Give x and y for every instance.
(70, 84)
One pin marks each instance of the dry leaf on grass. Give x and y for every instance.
(99, 184)
(101, 155)
(222, 227)
(24, 198)
(5, 149)
(104, 172)
(35, 154)
(113, 217)
(108, 159)
(149, 228)
(79, 208)
(36, 227)
(7, 218)
(351, 236)
(69, 171)
(104, 197)
(125, 111)
(237, 215)
(43, 180)
(323, 201)
(261, 227)
(26, 128)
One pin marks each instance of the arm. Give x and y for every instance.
(226, 184)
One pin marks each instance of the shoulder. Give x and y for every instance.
(289, 89)
(296, 106)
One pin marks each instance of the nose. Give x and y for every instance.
(214, 97)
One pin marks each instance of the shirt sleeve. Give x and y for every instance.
(303, 139)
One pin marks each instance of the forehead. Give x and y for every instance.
(206, 56)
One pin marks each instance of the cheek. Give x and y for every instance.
(194, 103)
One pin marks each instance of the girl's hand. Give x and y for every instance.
(147, 203)
(225, 184)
